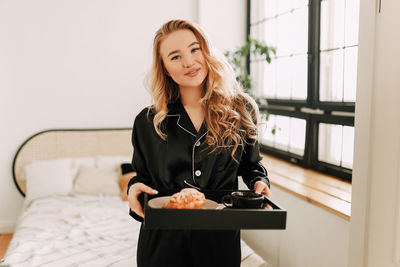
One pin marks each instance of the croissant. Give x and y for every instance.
(187, 198)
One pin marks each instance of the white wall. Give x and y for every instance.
(313, 236)
(225, 21)
(376, 179)
(81, 64)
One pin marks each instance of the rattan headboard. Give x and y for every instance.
(61, 143)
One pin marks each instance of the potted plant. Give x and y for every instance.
(239, 58)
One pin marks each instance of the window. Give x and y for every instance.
(310, 85)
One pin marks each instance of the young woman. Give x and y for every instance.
(200, 132)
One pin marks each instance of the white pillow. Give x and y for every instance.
(76, 163)
(92, 181)
(112, 163)
(81, 161)
(48, 178)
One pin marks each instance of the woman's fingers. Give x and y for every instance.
(134, 191)
(135, 206)
(259, 187)
(144, 188)
(262, 188)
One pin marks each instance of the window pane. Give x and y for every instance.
(269, 89)
(256, 13)
(338, 66)
(270, 7)
(352, 11)
(350, 73)
(289, 134)
(283, 83)
(330, 143)
(256, 32)
(284, 35)
(348, 147)
(332, 24)
(336, 144)
(266, 133)
(284, 6)
(259, 85)
(299, 3)
(300, 31)
(285, 78)
(270, 33)
(331, 76)
(286, 28)
(257, 77)
(297, 136)
(299, 82)
(282, 132)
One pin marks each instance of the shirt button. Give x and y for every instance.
(198, 173)
(197, 143)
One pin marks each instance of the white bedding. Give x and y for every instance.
(81, 230)
(74, 231)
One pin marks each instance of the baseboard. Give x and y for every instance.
(7, 227)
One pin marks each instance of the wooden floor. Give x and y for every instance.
(4, 241)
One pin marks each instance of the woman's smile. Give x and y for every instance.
(193, 72)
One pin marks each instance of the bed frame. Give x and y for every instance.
(64, 143)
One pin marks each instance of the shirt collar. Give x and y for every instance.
(184, 121)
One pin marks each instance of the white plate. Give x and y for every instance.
(159, 202)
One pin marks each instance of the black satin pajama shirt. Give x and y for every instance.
(181, 160)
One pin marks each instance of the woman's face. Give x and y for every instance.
(183, 59)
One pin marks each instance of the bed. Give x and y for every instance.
(75, 211)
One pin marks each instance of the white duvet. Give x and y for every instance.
(81, 231)
(74, 231)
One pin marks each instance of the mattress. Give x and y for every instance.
(81, 230)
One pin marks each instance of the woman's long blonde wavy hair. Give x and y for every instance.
(230, 114)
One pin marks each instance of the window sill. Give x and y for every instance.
(327, 192)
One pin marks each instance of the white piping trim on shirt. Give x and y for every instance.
(241, 144)
(179, 115)
(194, 146)
(198, 188)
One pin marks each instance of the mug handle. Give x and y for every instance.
(227, 201)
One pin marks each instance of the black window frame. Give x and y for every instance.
(293, 108)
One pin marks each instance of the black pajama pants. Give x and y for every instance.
(188, 248)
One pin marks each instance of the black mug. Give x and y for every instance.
(244, 200)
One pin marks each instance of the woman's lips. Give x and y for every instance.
(193, 72)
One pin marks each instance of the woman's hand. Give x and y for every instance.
(134, 191)
(262, 188)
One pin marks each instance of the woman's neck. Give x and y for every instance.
(191, 96)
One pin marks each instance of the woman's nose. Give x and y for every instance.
(188, 62)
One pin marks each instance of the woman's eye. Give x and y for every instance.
(174, 58)
(195, 49)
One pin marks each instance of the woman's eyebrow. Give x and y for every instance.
(176, 51)
(194, 43)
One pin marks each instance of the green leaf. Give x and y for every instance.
(238, 58)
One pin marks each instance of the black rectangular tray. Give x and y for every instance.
(206, 219)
